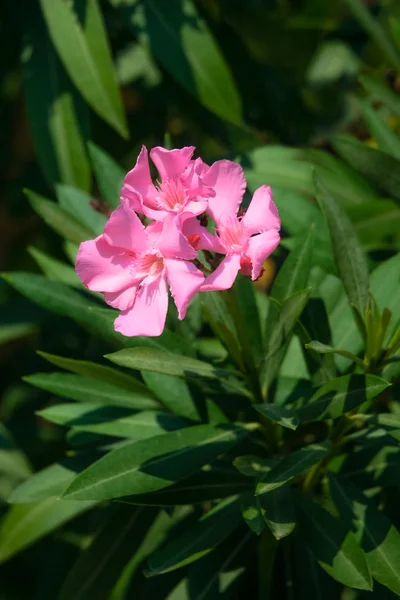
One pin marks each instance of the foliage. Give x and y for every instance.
(253, 448)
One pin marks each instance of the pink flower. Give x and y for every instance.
(132, 265)
(181, 187)
(247, 241)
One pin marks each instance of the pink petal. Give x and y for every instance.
(148, 314)
(196, 208)
(125, 230)
(260, 247)
(227, 179)
(100, 268)
(170, 163)
(184, 280)
(138, 180)
(202, 238)
(121, 300)
(262, 213)
(224, 275)
(172, 243)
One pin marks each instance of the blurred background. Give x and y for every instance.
(84, 83)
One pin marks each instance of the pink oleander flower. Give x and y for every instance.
(181, 188)
(132, 264)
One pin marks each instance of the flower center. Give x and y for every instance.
(233, 234)
(171, 194)
(148, 267)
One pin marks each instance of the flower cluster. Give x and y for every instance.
(184, 232)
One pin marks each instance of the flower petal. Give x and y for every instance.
(125, 230)
(227, 179)
(170, 163)
(224, 275)
(260, 247)
(121, 300)
(205, 240)
(184, 280)
(138, 181)
(148, 314)
(100, 268)
(262, 213)
(172, 243)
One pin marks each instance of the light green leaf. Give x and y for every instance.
(25, 524)
(333, 545)
(109, 174)
(78, 204)
(55, 269)
(12, 461)
(278, 510)
(279, 414)
(181, 40)
(387, 140)
(58, 117)
(339, 396)
(383, 93)
(350, 259)
(155, 463)
(201, 538)
(252, 514)
(59, 220)
(325, 349)
(84, 51)
(85, 389)
(290, 466)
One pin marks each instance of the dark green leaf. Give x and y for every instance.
(174, 393)
(155, 463)
(387, 140)
(324, 349)
(383, 93)
(222, 325)
(197, 541)
(77, 204)
(278, 511)
(333, 545)
(109, 174)
(350, 260)
(55, 269)
(290, 466)
(82, 45)
(252, 513)
(279, 414)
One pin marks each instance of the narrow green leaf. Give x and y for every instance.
(12, 460)
(174, 393)
(279, 414)
(383, 93)
(183, 43)
(55, 269)
(252, 514)
(378, 537)
(376, 31)
(25, 524)
(59, 220)
(85, 389)
(58, 117)
(82, 45)
(324, 349)
(109, 174)
(197, 541)
(78, 204)
(100, 564)
(333, 545)
(349, 256)
(278, 511)
(222, 325)
(380, 168)
(309, 579)
(96, 371)
(387, 140)
(290, 466)
(149, 465)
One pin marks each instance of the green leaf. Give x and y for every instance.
(324, 349)
(387, 140)
(174, 393)
(349, 256)
(290, 466)
(333, 545)
(376, 31)
(378, 167)
(252, 514)
(100, 564)
(382, 92)
(96, 371)
(222, 325)
(309, 579)
(12, 461)
(339, 396)
(82, 45)
(58, 117)
(25, 524)
(78, 204)
(107, 420)
(197, 541)
(279, 414)
(85, 389)
(59, 220)
(155, 463)
(278, 511)
(380, 540)
(181, 40)
(55, 269)
(109, 175)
